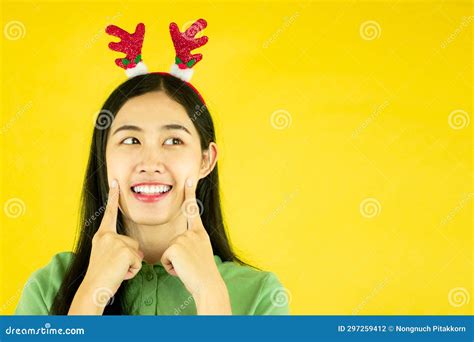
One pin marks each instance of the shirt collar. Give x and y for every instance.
(217, 259)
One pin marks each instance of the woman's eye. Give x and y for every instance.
(130, 141)
(173, 141)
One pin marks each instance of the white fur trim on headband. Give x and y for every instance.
(184, 74)
(139, 69)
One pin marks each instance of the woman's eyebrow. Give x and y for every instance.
(175, 126)
(127, 128)
(164, 127)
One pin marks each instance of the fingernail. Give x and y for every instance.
(189, 182)
(114, 184)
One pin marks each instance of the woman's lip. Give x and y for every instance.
(149, 198)
(149, 184)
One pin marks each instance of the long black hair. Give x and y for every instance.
(95, 187)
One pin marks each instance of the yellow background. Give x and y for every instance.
(314, 115)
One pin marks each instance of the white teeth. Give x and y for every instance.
(153, 189)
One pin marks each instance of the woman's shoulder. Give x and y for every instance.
(236, 269)
(60, 260)
(56, 267)
(254, 291)
(42, 285)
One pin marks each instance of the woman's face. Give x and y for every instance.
(153, 142)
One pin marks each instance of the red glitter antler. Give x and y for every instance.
(131, 45)
(184, 43)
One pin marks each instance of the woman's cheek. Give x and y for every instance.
(118, 168)
(184, 166)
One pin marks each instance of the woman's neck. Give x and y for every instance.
(155, 239)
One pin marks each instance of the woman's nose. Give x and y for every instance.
(151, 161)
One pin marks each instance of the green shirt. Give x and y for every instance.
(155, 292)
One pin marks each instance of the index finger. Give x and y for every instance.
(109, 221)
(192, 209)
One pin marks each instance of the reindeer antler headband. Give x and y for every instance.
(184, 43)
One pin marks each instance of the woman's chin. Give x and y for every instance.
(150, 221)
(150, 215)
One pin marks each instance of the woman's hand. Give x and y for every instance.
(190, 257)
(114, 257)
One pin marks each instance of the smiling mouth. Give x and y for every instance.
(151, 193)
(151, 190)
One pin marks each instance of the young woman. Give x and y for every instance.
(152, 236)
